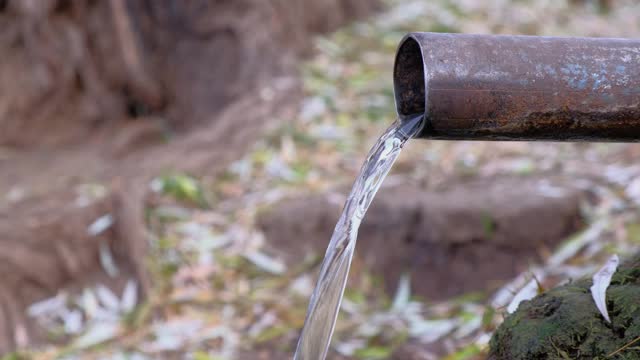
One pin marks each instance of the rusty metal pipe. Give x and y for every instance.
(502, 87)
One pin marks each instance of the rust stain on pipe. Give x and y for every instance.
(502, 87)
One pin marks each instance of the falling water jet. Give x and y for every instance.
(327, 296)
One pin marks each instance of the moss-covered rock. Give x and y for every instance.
(564, 323)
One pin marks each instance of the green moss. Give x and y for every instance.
(488, 224)
(564, 323)
(183, 188)
(14, 356)
(468, 352)
(374, 352)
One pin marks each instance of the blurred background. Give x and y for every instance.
(171, 173)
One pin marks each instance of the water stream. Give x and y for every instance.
(327, 295)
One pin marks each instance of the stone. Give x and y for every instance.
(564, 323)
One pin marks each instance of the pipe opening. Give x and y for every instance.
(409, 79)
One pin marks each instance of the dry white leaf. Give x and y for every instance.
(98, 333)
(601, 281)
(302, 286)
(578, 242)
(403, 294)
(429, 331)
(266, 321)
(546, 189)
(73, 322)
(348, 348)
(527, 292)
(108, 298)
(51, 306)
(129, 296)
(173, 335)
(633, 190)
(107, 261)
(89, 303)
(265, 262)
(505, 295)
(100, 225)
(468, 327)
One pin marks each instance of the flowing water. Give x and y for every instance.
(327, 296)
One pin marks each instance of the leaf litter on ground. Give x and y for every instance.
(209, 268)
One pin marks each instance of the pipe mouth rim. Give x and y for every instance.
(410, 78)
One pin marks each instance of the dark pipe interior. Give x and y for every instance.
(409, 79)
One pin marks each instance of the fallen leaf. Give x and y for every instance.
(578, 242)
(107, 261)
(54, 305)
(129, 296)
(100, 225)
(89, 303)
(601, 281)
(108, 298)
(527, 292)
(265, 262)
(98, 333)
(73, 322)
(403, 294)
(429, 331)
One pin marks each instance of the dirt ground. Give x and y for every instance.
(446, 234)
(100, 97)
(140, 166)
